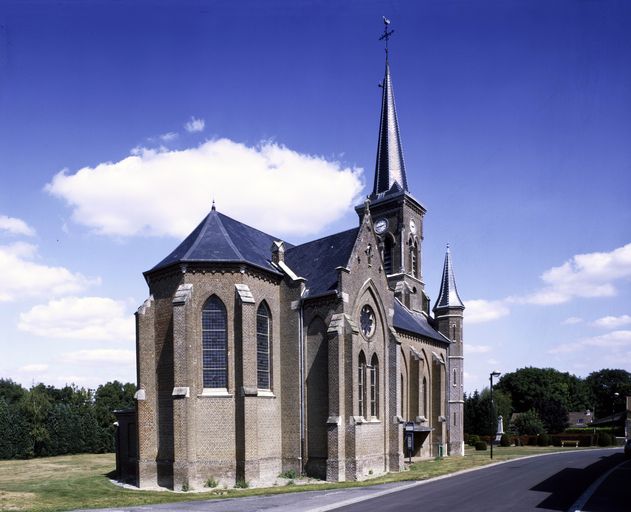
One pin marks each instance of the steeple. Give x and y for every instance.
(448, 296)
(389, 167)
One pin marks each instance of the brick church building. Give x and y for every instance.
(256, 356)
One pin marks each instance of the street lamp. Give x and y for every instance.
(613, 404)
(492, 374)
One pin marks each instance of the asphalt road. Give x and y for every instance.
(551, 482)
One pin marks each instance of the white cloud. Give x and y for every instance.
(15, 226)
(476, 349)
(20, 277)
(611, 340)
(479, 311)
(573, 320)
(612, 322)
(168, 192)
(33, 368)
(166, 137)
(100, 356)
(584, 275)
(195, 125)
(80, 318)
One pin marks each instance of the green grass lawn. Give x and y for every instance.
(80, 481)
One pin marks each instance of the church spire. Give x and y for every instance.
(448, 296)
(389, 167)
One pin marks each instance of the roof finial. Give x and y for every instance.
(386, 33)
(213, 206)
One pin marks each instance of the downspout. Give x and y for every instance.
(301, 366)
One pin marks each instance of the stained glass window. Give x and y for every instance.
(214, 344)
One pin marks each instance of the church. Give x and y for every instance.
(256, 357)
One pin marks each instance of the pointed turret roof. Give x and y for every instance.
(448, 296)
(390, 168)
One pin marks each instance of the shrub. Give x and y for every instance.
(466, 438)
(532, 441)
(543, 440)
(505, 440)
(556, 441)
(473, 439)
(480, 446)
(211, 482)
(241, 484)
(289, 474)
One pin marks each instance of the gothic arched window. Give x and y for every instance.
(263, 330)
(361, 385)
(374, 386)
(214, 344)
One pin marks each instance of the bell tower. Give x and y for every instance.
(397, 215)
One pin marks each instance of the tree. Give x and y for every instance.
(602, 385)
(35, 406)
(547, 391)
(11, 391)
(6, 450)
(528, 423)
(108, 398)
(477, 411)
(553, 414)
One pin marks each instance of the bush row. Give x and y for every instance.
(599, 438)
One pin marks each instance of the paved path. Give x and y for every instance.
(551, 482)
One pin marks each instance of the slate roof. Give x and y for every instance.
(416, 323)
(448, 295)
(219, 238)
(316, 261)
(389, 168)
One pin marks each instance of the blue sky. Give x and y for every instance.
(121, 121)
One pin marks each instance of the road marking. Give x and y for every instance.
(584, 498)
(358, 499)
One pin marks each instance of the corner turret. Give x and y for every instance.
(449, 312)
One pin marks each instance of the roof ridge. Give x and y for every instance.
(199, 236)
(322, 238)
(228, 239)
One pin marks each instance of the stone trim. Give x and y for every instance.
(244, 293)
(182, 294)
(181, 391)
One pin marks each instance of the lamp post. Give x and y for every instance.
(492, 374)
(613, 405)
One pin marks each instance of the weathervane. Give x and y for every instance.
(386, 33)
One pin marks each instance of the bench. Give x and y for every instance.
(569, 442)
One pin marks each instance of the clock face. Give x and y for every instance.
(367, 321)
(380, 226)
(412, 226)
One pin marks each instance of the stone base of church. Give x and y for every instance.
(456, 448)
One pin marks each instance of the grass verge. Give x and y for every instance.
(80, 481)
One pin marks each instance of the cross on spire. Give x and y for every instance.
(387, 34)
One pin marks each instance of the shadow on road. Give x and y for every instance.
(566, 486)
